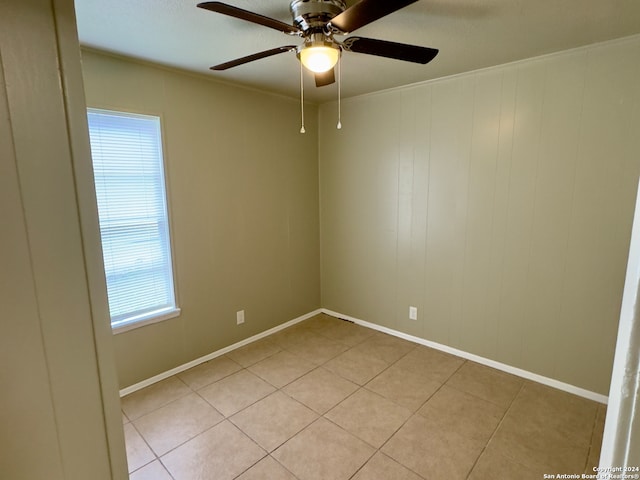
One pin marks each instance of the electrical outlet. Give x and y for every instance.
(413, 313)
(240, 317)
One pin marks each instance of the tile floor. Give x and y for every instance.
(330, 400)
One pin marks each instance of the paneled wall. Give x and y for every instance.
(60, 415)
(243, 206)
(498, 202)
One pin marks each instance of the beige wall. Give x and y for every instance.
(59, 409)
(498, 202)
(243, 202)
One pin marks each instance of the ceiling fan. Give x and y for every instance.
(316, 22)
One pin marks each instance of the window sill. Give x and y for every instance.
(148, 319)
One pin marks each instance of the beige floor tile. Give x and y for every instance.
(323, 451)
(596, 439)
(433, 453)
(381, 467)
(487, 383)
(282, 368)
(369, 416)
(138, 452)
(536, 446)
(404, 387)
(424, 429)
(293, 336)
(317, 349)
(320, 322)
(175, 423)
(320, 390)
(346, 332)
(155, 396)
(452, 410)
(548, 428)
(209, 372)
(385, 347)
(254, 352)
(152, 471)
(568, 417)
(493, 466)
(601, 415)
(235, 392)
(267, 469)
(222, 453)
(430, 363)
(273, 420)
(356, 366)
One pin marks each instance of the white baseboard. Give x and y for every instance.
(161, 376)
(597, 397)
(581, 392)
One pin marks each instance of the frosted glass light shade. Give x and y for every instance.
(319, 59)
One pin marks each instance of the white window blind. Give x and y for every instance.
(130, 190)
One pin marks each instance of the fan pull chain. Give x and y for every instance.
(339, 125)
(302, 130)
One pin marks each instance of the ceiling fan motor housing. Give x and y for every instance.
(311, 16)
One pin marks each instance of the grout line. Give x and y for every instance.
(186, 366)
(492, 402)
(277, 389)
(486, 445)
(476, 461)
(518, 372)
(515, 397)
(155, 455)
(593, 432)
(159, 457)
(412, 413)
(276, 460)
(166, 469)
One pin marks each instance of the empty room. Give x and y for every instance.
(223, 261)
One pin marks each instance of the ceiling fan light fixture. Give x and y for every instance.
(319, 59)
(319, 55)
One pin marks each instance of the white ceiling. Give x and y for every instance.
(470, 34)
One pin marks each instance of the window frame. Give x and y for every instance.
(150, 316)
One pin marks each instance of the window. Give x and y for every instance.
(132, 208)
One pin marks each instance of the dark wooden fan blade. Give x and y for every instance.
(365, 12)
(251, 58)
(383, 48)
(325, 78)
(236, 12)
